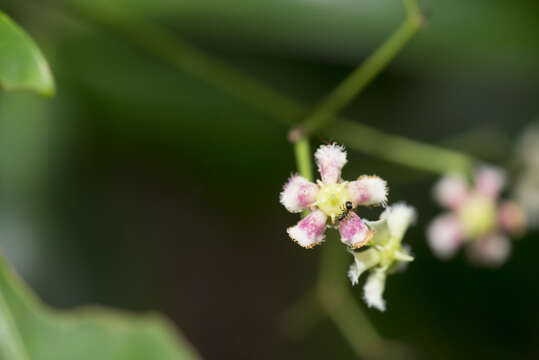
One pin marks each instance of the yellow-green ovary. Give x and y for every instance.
(332, 198)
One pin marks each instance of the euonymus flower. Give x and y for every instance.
(477, 218)
(385, 254)
(327, 201)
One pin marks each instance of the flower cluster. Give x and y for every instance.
(476, 217)
(386, 254)
(376, 246)
(326, 200)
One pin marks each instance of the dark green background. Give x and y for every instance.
(141, 186)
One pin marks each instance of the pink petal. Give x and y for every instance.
(298, 194)
(445, 235)
(489, 181)
(354, 232)
(368, 190)
(512, 218)
(330, 160)
(310, 230)
(451, 191)
(491, 251)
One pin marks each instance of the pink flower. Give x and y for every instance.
(331, 201)
(477, 218)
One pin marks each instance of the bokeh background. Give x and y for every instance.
(142, 186)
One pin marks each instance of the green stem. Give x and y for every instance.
(302, 316)
(343, 94)
(400, 149)
(341, 306)
(233, 81)
(302, 149)
(170, 47)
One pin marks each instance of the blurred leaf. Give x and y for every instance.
(30, 330)
(22, 65)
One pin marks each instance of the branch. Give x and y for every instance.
(350, 87)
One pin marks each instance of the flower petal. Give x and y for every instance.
(310, 230)
(490, 181)
(527, 194)
(399, 217)
(363, 260)
(403, 256)
(491, 251)
(368, 190)
(354, 273)
(374, 289)
(511, 218)
(330, 160)
(298, 194)
(445, 234)
(451, 191)
(353, 232)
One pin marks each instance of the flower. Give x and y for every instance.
(386, 254)
(477, 217)
(328, 201)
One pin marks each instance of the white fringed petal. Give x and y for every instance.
(368, 190)
(451, 191)
(309, 231)
(399, 217)
(374, 289)
(445, 234)
(363, 261)
(490, 181)
(492, 251)
(298, 194)
(354, 232)
(402, 258)
(330, 160)
(354, 273)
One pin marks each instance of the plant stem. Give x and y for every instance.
(400, 149)
(236, 83)
(350, 87)
(342, 307)
(170, 47)
(302, 150)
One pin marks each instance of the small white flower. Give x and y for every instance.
(385, 255)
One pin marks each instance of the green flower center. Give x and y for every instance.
(331, 199)
(478, 216)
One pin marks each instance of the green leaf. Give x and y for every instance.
(29, 330)
(22, 65)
